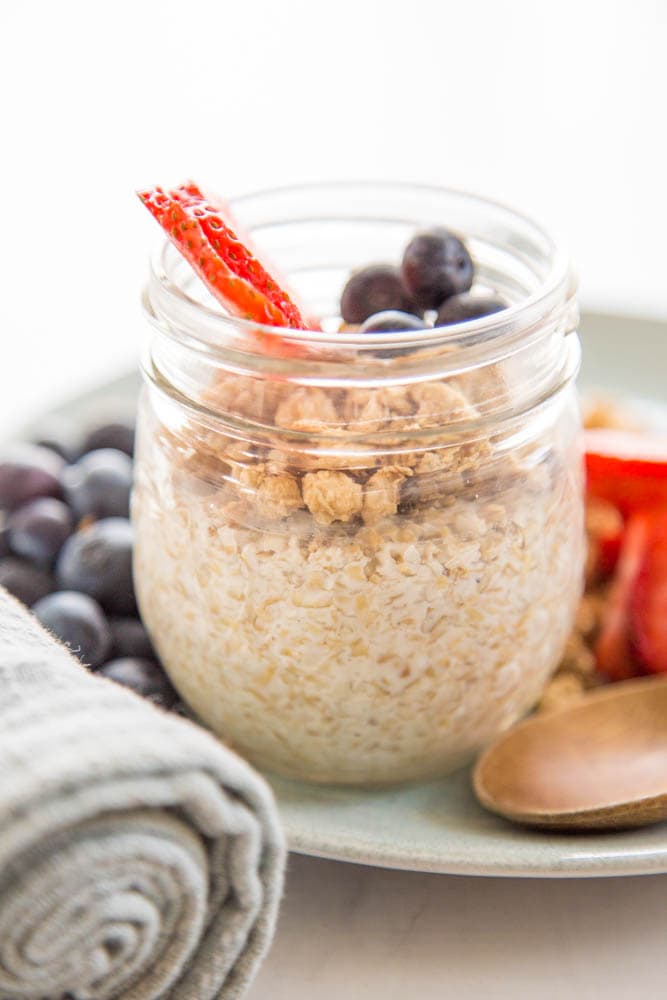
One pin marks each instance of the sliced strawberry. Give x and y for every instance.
(613, 650)
(191, 194)
(627, 468)
(232, 273)
(604, 526)
(648, 611)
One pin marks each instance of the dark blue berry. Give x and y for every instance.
(99, 484)
(145, 677)
(97, 560)
(392, 321)
(436, 264)
(130, 638)
(27, 583)
(78, 621)
(4, 541)
(464, 307)
(118, 435)
(38, 530)
(374, 289)
(27, 472)
(62, 436)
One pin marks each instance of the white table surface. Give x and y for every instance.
(347, 932)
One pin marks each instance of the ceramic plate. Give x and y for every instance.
(438, 826)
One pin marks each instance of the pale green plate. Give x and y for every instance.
(438, 826)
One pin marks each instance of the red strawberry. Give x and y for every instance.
(190, 193)
(232, 273)
(627, 468)
(648, 610)
(604, 526)
(613, 650)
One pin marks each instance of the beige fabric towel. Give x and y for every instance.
(139, 858)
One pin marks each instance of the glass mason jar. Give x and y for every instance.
(359, 556)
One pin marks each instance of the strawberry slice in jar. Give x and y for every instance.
(229, 269)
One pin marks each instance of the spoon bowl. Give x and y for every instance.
(601, 764)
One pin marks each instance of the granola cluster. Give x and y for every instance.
(352, 455)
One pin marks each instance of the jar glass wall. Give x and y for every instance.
(359, 557)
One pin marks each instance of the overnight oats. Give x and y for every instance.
(359, 539)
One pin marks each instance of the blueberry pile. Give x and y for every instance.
(66, 549)
(432, 287)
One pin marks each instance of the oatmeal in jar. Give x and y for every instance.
(359, 553)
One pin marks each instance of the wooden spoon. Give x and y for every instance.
(600, 764)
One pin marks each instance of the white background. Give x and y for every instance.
(556, 107)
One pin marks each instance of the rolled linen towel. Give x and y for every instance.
(139, 858)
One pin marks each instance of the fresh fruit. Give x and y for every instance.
(604, 527)
(38, 530)
(130, 638)
(62, 436)
(97, 560)
(27, 583)
(436, 264)
(627, 468)
(118, 435)
(145, 677)
(78, 621)
(27, 472)
(648, 606)
(613, 649)
(392, 321)
(230, 271)
(464, 307)
(374, 289)
(99, 484)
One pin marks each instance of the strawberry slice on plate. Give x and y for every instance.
(627, 468)
(233, 274)
(648, 610)
(613, 651)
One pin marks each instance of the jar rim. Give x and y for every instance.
(208, 329)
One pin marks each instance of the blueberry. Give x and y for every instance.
(27, 472)
(78, 621)
(99, 484)
(62, 436)
(459, 308)
(27, 583)
(97, 560)
(119, 436)
(130, 638)
(4, 541)
(144, 676)
(374, 289)
(38, 530)
(436, 265)
(392, 321)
